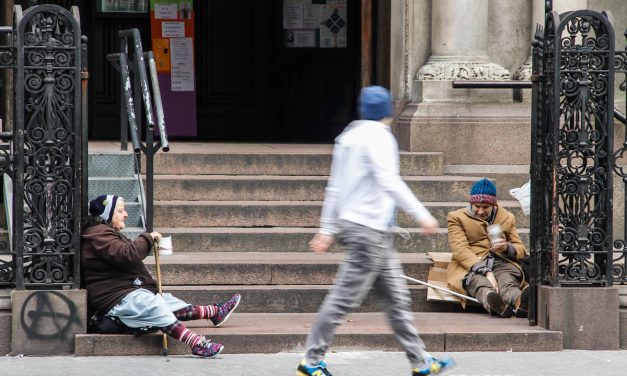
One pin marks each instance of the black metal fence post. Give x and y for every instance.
(578, 64)
(47, 147)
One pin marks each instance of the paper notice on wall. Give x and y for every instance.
(293, 14)
(333, 24)
(311, 16)
(166, 11)
(173, 29)
(304, 38)
(161, 50)
(182, 61)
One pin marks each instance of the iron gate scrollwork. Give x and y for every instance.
(46, 162)
(572, 148)
(620, 245)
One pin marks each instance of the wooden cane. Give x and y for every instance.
(155, 247)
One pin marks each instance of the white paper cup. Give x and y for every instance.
(165, 246)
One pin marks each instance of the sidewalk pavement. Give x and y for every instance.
(359, 363)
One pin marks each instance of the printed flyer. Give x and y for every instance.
(172, 31)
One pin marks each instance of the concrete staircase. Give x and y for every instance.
(114, 173)
(241, 219)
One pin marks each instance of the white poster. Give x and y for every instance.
(173, 29)
(165, 11)
(292, 14)
(311, 16)
(182, 58)
(333, 25)
(304, 38)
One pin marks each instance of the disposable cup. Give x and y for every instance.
(165, 246)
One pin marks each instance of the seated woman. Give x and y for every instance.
(118, 284)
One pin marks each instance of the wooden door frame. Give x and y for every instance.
(375, 42)
(366, 43)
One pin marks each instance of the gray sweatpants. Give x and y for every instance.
(370, 262)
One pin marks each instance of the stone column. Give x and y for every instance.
(569, 5)
(457, 122)
(537, 17)
(459, 50)
(523, 73)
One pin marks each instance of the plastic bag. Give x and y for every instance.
(523, 195)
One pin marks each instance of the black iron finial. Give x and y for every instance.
(548, 7)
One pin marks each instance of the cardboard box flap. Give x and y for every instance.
(440, 259)
(437, 277)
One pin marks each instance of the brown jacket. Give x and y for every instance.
(469, 242)
(112, 266)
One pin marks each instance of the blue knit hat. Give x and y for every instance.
(375, 103)
(103, 206)
(483, 191)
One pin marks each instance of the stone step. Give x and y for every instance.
(291, 188)
(297, 298)
(281, 332)
(5, 299)
(111, 164)
(281, 213)
(127, 187)
(286, 239)
(289, 162)
(133, 232)
(263, 268)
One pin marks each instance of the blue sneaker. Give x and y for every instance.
(434, 366)
(305, 370)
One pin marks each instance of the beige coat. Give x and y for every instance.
(468, 239)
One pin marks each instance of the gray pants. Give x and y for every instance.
(508, 278)
(370, 262)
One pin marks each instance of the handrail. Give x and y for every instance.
(137, 68)
(619, 116)
(120, 62)
(461, 84)
(141, 68)
(154, 80)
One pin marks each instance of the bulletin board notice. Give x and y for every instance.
(314, 23)
(172, 32)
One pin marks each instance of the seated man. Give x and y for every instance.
(485, 266)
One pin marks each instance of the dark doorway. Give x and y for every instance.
(253, 88)
(250, 86)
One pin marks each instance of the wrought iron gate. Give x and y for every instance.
(572, 157)
(45, 160)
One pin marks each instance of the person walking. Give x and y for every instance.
(359, 208)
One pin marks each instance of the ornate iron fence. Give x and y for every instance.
(571, 229)
(618, 263)
(46, 159)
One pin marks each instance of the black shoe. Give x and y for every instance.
(524, 298)
(497, 306)
(523, 307)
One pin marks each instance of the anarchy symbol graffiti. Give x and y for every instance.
(48, 315)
